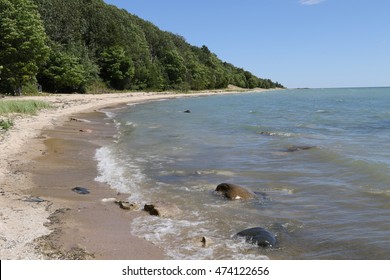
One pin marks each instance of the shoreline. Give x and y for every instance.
(24, 222)
(83, 226)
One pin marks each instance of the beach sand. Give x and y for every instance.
(45, 156)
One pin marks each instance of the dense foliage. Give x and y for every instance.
(23, 46)
(87, 44)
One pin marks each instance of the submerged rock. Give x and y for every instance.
(299, 148)
(267, 133)
(162, 209)
(233, 192)
(81, 190)
(259, 236)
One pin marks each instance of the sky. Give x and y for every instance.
(299, 43)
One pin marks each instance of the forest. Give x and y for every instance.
(88, 46)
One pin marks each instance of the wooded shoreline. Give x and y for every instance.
(92, 47)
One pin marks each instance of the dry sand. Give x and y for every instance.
(37, 159)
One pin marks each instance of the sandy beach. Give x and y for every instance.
(45, 156)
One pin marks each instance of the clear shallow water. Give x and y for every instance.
(328, 202)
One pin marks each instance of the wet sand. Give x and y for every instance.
(83, 226)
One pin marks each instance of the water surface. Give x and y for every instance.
(327, 202)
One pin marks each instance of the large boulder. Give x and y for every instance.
(259, 236)
(162, 209)
(233, 192)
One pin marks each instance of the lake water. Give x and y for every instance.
(331, 201)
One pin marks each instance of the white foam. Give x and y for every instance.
(110, 115)
(130, 124)
(123, 178)
(280, 134)
(181, 239)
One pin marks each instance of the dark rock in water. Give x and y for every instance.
(162, 209)
(233, 192)
(81, 190)
(187, 111)
(263, 195)
(259, 236)
(299, 148)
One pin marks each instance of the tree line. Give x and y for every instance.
(88, 46)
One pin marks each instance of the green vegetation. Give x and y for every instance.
(23, 46)
(83, 45)
(6, 124)
(22, 106)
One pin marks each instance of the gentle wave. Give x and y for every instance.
(182, 240)
(375, 191)
(123, 177)
(356, 167)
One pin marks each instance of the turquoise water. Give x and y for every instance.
(331, 201)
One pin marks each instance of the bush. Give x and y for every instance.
(97, 87)
(30, 88)
(6, 124)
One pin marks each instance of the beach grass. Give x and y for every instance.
(30, 107)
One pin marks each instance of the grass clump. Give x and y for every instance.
(6, 124)
(30, 107)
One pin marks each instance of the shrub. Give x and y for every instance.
(6, 124)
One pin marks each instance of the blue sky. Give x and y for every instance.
(299, 43)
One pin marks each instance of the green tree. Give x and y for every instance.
(63, 72)
(156, 79)
(174, 67)
(128, 52)
(23, 40)
(116, 67)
